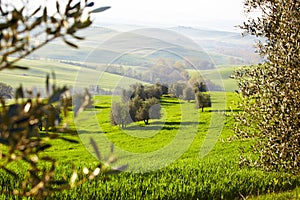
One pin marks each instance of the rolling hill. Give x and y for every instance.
(106, 54)
(104, 45)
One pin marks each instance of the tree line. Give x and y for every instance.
(198, 92)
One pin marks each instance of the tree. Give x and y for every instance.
(134, 105)
(177, 89)
(202, 100)
(272, 89)
(202, 84)
(150, 109)
(188, 94)
(119, 114)
(199, 87)
(142, 113)
(154, 111)
(154, 91)
(6, 91)
(165, 88)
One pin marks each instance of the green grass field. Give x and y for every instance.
(220, 76)
(82, 77)
(66, 74)
(187, 154)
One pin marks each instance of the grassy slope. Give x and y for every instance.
(215, 176)
(220, 76)
(66, 74)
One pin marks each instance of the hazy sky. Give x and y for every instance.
(215, 14)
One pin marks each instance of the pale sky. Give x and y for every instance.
(216, 14)
(213, 14)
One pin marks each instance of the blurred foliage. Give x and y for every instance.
(23, 30)
(19, 132)
(6, 91)
(271, 91)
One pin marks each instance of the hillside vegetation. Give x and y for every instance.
(193, 174)
(73, 74)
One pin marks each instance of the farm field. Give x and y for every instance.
(192, 159)
(76, 76)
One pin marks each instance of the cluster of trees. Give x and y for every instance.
(185, 91)
(96, 89)
(168, 71)
(199, 63)
(164, 71)
(196, 92)
(139, 103)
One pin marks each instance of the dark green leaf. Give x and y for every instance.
(78, 37)
(47, 84)
(69, 140)
(59, 182)
(34, 175)
(95, 147)
(57, 7)
(22, 119)
(54, 81)
(56, 96)
(44, 147)
(91, 4)
(77, 6)
(47, 158)
(4, 26)
(37, 10)
(71, 44)
(101, 9)
(37, 22)
(85, 24)
(14, 110)
(45, 16)
(117, 169)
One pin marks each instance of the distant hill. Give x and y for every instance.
(145, 46)
(223, 47)
(146, 54)
(204, 34)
